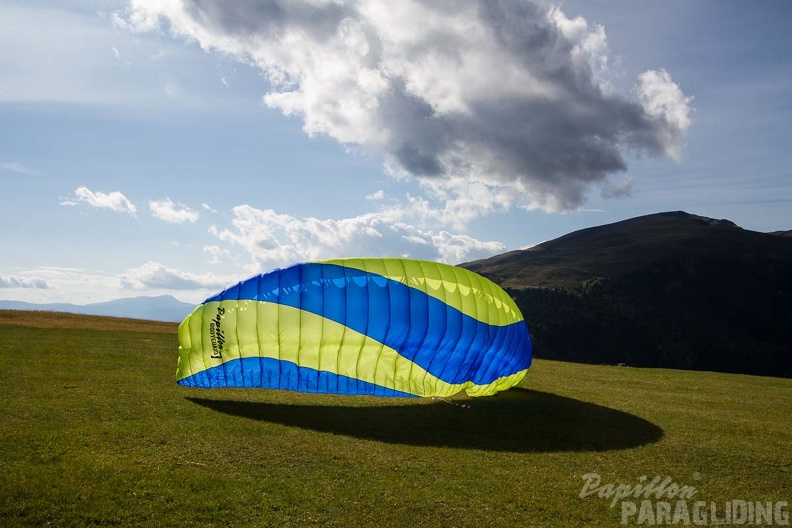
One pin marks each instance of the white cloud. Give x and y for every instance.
(10, 281)
(216, 252)
(378, 195)
(172, 88)
(153, 275)
(509, 94)
(115, 200)
(82, 286)
(456, 201)
(65, 285)
(169, 211)
(663, 99)
(15, 166)
(208, 207)
(273, 239)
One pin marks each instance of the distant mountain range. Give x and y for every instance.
(161, 308)
(665, 290)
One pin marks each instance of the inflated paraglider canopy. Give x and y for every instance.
(376, 326)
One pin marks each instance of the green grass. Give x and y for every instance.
(94, 431)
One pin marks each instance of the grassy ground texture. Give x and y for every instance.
(95, 431)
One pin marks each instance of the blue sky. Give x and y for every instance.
(175, 147)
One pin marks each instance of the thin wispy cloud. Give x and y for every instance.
(19, 168)
(158, 276)
(216, 252)
(175, 213)
(64, 284)
(53, 69)
(81, 286)
(510, 94)
(86, 61)
(115, 201)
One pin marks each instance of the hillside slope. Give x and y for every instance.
(664, 290)
(160, 308)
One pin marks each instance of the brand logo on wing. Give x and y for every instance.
(216, 334)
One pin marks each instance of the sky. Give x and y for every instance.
(152, 147)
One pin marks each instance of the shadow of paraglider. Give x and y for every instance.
(518, 420)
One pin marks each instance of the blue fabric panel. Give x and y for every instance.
(378, 308)
(260, 373)
(290, 284)
(249, 288)
(312, 290)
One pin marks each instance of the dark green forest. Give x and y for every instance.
(718, 298)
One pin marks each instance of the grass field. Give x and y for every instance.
(94, 431)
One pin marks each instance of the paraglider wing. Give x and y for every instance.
(384, 327)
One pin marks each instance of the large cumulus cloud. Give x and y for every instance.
(509, 94)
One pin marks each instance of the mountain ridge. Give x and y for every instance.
(637, 240)
(669, 289)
